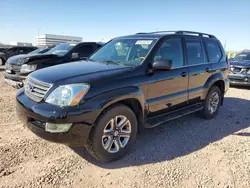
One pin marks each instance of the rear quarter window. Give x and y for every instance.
(213, 51)
(195, 53)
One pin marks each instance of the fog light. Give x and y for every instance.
(57, 128)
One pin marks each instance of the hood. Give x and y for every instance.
(240, 63)
(30, 58)
(82, 70)
(14, 59)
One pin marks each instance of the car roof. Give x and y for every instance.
(23, 47)
(160, 34)
(100, 43)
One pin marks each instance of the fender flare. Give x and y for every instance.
(100, 102)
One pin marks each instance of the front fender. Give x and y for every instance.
(100, 102)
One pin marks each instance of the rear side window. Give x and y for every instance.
(27, 50)
(213, 50)
(195, 53)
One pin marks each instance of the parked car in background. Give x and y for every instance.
(16, 71)
(3, 49)
(16, 50)
(240, 69)
(132, 82)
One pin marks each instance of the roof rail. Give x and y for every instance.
(182, 33)
(193, 32)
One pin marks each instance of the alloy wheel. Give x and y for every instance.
(116, 134)
(213, 103)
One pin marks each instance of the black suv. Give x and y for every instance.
(17, 68)
(131, 83)
(16, 50)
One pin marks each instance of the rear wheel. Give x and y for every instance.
(114, 134)
(212, 103)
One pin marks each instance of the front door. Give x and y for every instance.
(168, 88)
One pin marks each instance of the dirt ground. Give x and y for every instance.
(189, 152)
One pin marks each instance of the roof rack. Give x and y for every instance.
(182, 33)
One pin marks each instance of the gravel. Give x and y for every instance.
(188, 152)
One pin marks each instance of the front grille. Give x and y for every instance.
(35, 89)
(236, 69)
(14, 68)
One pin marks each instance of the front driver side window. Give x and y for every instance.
(171, 50)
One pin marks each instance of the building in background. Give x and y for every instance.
(20, 44)
(51, 40)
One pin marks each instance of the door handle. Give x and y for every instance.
(209, 70)
(184, 74)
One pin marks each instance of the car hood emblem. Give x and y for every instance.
(29, 87)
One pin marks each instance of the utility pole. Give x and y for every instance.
(225, 44)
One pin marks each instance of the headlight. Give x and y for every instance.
(248, 72)
(27, 68)
(68, 95)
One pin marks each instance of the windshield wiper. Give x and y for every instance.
(113, 62)
(90, 60)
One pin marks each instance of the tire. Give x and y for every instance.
(208, 112)
(2, 61)
(98, 143)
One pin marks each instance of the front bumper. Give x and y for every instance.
(35, 115)
(239, 79)
(14, 80)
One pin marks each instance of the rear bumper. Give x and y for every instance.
(34, 116)
(239, 79)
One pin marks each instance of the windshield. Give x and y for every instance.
(38, 51)
(128, 52)
(61, 49)
(242, 56)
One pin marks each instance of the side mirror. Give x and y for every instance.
(163, 65)
(75, 56)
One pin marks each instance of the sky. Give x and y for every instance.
(99, 20)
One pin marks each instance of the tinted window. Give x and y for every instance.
(128, 52)
(194, 52)
(61, 49)
(171, 50)
(26, 50)
(10, 50)
(213, 50)
(242, 56)
(85, 50)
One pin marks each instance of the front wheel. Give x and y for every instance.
(212, 103)
(1, 61)
(114, 134)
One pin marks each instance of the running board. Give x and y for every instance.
(158, 120)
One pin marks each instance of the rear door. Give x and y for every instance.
(199, 69)
(216, 56)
